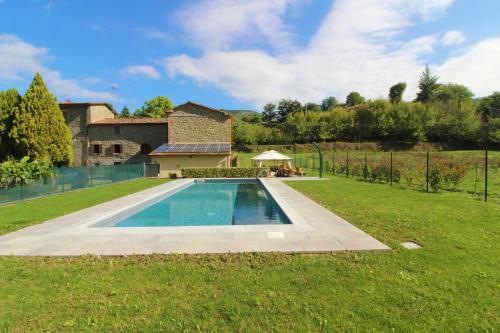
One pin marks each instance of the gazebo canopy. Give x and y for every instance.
(271, 155)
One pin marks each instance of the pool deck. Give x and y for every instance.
(314, 229)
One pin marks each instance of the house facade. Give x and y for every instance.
(191, 135)
(198, 136)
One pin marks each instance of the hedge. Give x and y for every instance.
(249, 172)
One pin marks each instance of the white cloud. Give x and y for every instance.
(142, 70)
(92, 80)
(357, 47)
(477, 67)
(216, 25)
(20, 60)
(156, 34)
(453, 37)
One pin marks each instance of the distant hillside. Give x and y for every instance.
(238, 114)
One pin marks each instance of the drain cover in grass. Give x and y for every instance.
(410, 245)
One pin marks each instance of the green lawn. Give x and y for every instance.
(23, 214)
(451, 284)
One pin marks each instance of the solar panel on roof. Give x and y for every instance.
(187, 148)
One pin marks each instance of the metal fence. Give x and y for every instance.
(69, 179)
(473, 172)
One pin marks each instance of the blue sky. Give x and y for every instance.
(240, 54)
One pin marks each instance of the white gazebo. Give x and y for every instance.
(272, 156)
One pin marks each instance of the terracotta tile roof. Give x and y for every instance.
(69, 103)
(129, 121)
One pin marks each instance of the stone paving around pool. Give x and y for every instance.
(314, 229)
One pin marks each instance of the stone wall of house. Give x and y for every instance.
(99, 112)
(76, 119)
(131, 137)
(192, 123)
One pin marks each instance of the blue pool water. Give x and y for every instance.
(210, 203)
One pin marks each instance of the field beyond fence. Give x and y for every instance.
(70, 179)
(458, 171)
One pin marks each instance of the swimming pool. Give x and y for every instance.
(207, 203)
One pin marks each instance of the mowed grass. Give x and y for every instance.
(25, 213)
(451, 284)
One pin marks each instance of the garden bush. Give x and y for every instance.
(24, 172)
(249, 172)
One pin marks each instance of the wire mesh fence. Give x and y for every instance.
(459, 171)
(69, 179)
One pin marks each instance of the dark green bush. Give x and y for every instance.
(248, 172)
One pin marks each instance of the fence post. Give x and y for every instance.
(486, 175)
(475, 181)
(347, 164)
(427, 173)
(365, 171)
(62, 178)
(128, 172)
(300, 161)
(391, 168)
(333, 163)
(22, 189)
(91, 178)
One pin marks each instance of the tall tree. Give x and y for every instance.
(396, 92)
(427, 85)
(329, 103)
(311, 107)
(155, 108)
(269, 113)
(451, 91)
(286, 107)
(39, 128)
(125, 112)
(10, 100)
(354, 98)
(490, 106)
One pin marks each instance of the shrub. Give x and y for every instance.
(24, 171)
(436, 177)
(249, 172)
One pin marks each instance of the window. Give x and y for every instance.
(117, 130)
(96, 149)
(117, 149)
(145, 148)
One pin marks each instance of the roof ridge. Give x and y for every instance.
(203, 106)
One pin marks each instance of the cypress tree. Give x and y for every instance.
(39, 127)
(10, 101)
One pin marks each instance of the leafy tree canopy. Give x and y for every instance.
(354, 98)
(10, 101)
(396, 92)
(155, 108)
(269, 113)
(427, 85)
(329, 103)
(125, 112)
(490, 106)
(286, 107)
(450, 92)
(39, 128)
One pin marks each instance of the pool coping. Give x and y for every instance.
(313, 229)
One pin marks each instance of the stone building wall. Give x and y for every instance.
(193, 123)
(76, 119)
(98, 112)
(131, 137)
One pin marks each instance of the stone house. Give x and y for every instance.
(198, 136)
(190, 135)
